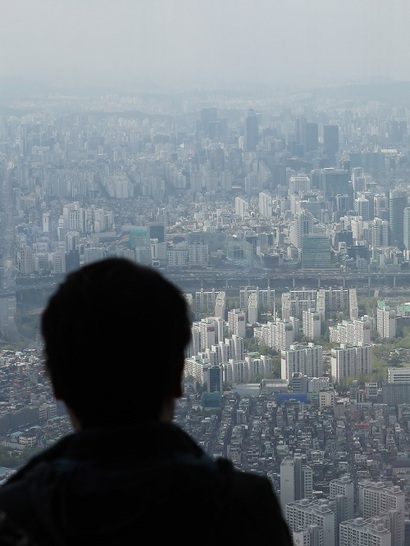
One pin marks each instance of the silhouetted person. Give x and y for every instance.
(115, 335)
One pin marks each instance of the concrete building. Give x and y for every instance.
(344, 486)
(386, 319)
(362, 532)
(302, 513)
(296, 480)
(348, 362)
(307, 359)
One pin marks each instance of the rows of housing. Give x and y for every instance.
(298, 427)
(342, 475)
(217, 352)
(341, 472)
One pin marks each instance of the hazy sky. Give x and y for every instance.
(208, 40)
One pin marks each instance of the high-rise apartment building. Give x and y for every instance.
(296, 480)
(311, 323)
(307, 359)
(379, 499)
(362, 532)
(344, 486)
(386, 320)
(348, 361)
(301, 514)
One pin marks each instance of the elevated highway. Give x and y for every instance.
(236, 279)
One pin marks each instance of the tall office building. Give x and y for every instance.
(208, 117)
(316, 252)
(406, 228)
(214, 378)
(265, 204)
(307, 135)
(157, 231)
(300, 130)
(333, 182)
(251, 131)
(379, 233)
(381, 206)
(301, 226)
(331, 141)
(312, 137)
(362, 207)
(398, 200)
(299, 184)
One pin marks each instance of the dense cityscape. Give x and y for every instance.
(285, 218)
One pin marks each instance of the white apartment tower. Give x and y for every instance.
(344, 486)
(379, 499)
(348, 361)
(361, 532)
(312, 324)
(312, 535)
(237, 322)
(208, 334)
(265, 204)
(386, 318)
(352, 332)
(300, 514)
(253, 308)
(296, 480)
(220, 305)
(307, 359)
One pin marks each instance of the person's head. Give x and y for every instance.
(115, 334)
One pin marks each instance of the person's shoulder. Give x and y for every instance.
(253, 499)
(11, 534)
(248, 482)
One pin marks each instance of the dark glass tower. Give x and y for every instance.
(398, 200)
(251, 131)
(331, 141)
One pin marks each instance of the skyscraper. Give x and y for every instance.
(331, 141)
(398, 200)
(251, 131)
(312, 137)
(406, 228)
(316, 251)
(334, 182)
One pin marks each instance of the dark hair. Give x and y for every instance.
(115, 334)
